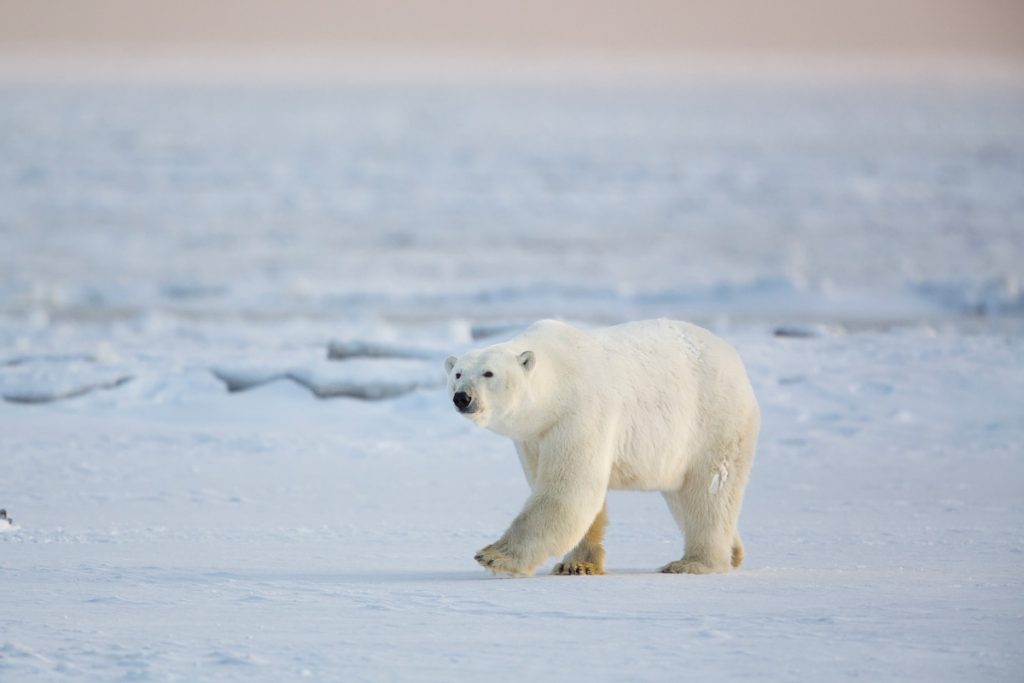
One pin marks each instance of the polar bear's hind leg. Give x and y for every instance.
(707, 510)
(708, 530)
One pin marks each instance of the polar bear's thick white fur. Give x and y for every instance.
(657, 405)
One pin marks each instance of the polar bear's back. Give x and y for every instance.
(659, 346)
(661, 361)
(661, 335)
(668, 344)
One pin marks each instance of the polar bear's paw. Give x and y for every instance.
(499, 560)
(685, 566)
(577, 568)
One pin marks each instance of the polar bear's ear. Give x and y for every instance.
(526, 360)
(449, 363)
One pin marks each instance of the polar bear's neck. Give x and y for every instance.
(550, 390)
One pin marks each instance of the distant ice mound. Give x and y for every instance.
(345, 350)
(46, 378)
(437, 350)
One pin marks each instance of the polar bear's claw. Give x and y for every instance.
(577, 568)
(500, 562)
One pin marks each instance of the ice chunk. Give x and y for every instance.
(370, 379)
(344, 350)
(43, 379)
(6, 523)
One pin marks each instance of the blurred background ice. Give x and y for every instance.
(334, 160)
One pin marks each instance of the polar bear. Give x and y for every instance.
(658, 405)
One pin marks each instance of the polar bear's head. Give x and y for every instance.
(489, 386)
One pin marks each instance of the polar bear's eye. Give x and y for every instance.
(458, 375)
(488, 374)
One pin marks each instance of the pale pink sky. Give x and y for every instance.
(881, 28)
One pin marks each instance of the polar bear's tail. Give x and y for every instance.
(737, 552)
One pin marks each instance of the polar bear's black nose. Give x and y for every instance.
(461, 399)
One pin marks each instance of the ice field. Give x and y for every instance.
(226, 449)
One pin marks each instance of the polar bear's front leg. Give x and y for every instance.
(547, 526)
(568, 493)
(588, 555)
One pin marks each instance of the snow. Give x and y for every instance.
(230, 457)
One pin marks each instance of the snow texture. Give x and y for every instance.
(860, 245)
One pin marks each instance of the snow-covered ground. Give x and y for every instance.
(227, 454)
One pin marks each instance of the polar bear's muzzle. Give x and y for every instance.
(464, 402)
